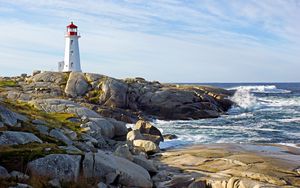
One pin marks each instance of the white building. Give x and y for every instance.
(71, 61)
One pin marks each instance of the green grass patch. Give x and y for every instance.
(63, 120)
(8, 83)
(53, 120)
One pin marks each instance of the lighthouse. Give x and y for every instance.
(71, 61)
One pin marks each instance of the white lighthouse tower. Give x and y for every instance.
(71, 61)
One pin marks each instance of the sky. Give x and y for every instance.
(164, 40)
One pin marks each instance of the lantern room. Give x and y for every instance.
(71, 29)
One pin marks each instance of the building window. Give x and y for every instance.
(71, 64)
(71, 42)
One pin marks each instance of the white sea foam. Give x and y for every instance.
(261, 89)
(244, 99)
(290, 145)
(289, 120)
(256, 118)
(242, 115)
(283, 102)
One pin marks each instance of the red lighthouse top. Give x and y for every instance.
(71, 29)
(71, 25)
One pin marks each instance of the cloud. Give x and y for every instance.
(199, 41)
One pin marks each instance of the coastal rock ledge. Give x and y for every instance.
(126, 100)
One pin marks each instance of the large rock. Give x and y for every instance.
(106, 127)
(171, 103)
(146, 145)
(100, 164)
(120, 127)
(123, 151)
(149, 130)
(3, 173)
(76, 85)
(113, 93)
(15, 138)
(56, 77)
(61, 166)
(9, 117)
(134, 135)
(154, 138)
(145, 163)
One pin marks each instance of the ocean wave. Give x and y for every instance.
(261, 89)
(290, 120)
(256, 118)
(244, 99)
(283, 102)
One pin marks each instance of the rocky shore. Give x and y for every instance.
(69, 130)
(229, 166)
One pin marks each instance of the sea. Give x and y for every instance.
(266, 113)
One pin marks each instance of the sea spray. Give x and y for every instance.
(261, 89)
(264, 113)
(243, 98)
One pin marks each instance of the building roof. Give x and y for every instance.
(72, 26)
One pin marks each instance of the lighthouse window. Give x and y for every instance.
(71, 52)
(71, 64)
(71, 42)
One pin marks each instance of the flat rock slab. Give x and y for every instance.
(64, 106)
(16, 138)
(255, 165)
(9, 117)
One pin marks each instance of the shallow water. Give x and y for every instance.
(265, 113)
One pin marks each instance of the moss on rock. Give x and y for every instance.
(53, 120)
(8, 83)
